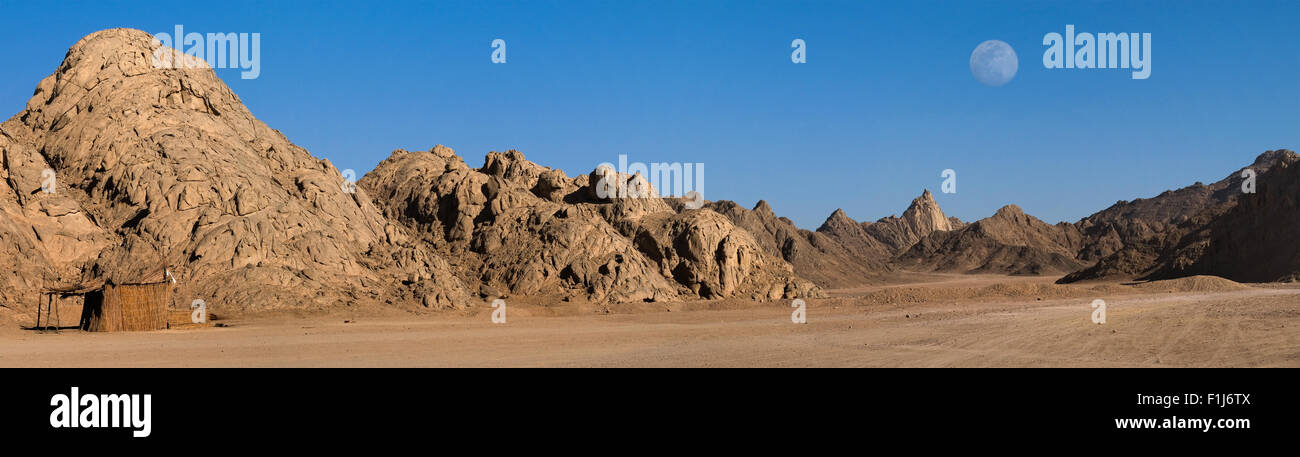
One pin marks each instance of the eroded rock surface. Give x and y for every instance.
(167, 164)
(816, 256)
(1009, 242)
(1240, 236)
(891, 235)
(531, 230)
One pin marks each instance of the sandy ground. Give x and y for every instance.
(942, 322)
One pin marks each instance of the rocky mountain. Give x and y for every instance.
(516, 226)
(921, 218)
(152, 167)
(1245, 237)
(1009, 242)
(159, 168)
(850, 234)
(814, 255)
(1127, 240)
(1125, 223)
(892, 235)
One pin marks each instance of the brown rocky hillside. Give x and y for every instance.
(891, 235)
(1009, 242)
(1125, 223)
(1247, 237)
(165, 168)
(516, 226)
(814, 255)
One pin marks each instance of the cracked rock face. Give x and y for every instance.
(816, 256)
(505, 226)
(169, 165)
(532, 230)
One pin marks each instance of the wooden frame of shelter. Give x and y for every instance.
(50, 299)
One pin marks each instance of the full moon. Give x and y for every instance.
(993, 63)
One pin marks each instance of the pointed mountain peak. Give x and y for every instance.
(837, 220)
(1009, 211)
(763, 207)
(922, 203)
(925, 216)
(1269, 158)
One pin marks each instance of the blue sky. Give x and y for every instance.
(885, 102)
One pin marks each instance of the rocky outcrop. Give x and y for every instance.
(1127, 223)
(1009, 242)
(158, 168)
(45, 235)
(1247, 237)
(516, 226)
(167, 165)
(850, 234)
(814, 255)
(921, 218)
(713, 258)
(1254, 240)
(892, 235)
(1177, 233)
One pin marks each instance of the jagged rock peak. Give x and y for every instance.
(1268, 158)
(838, 217)
(925, 215)
(1009, 210)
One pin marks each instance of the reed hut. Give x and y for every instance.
(127, 307)
(130, 299)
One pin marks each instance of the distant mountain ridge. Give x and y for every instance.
(1236, 235)
(1127, 222)
(1127, 239)
(893, 234)
(1009, 242)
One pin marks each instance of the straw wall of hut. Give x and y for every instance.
(127, 307)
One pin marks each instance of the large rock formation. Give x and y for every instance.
(1254, 240)
(1127, 223)
(1244, 237)
(165, 167)
(814, 255)
(1174, 234)
(851, 234)
(921, 218)
(154, 168)
(516, 226)
(1009, 242)
(892, 235)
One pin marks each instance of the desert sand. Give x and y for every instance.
(948, 321)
